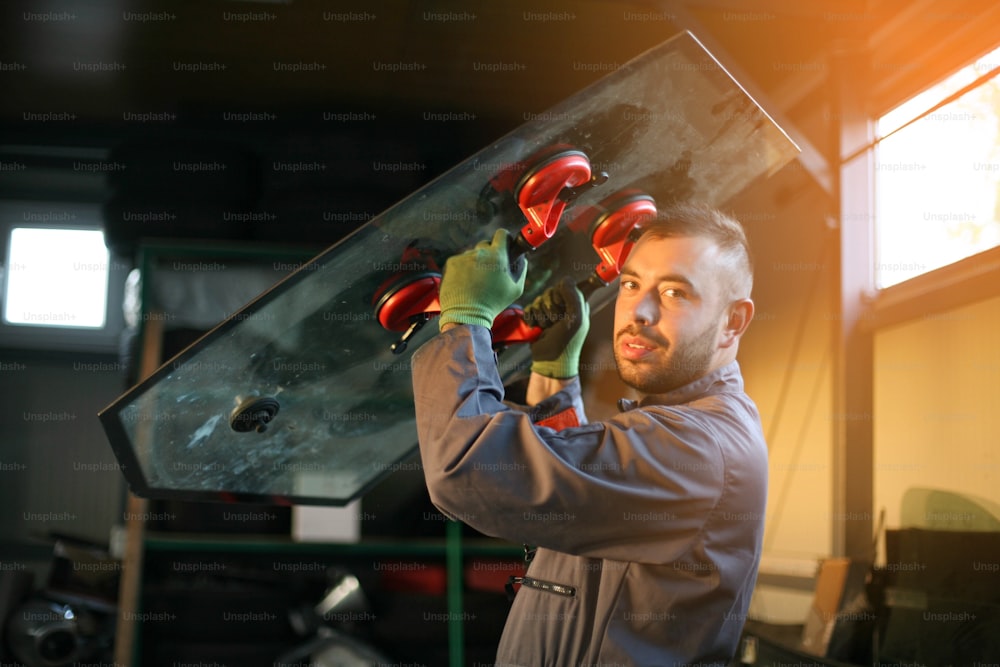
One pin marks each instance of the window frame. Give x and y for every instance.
(959, 267)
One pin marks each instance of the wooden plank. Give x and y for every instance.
(136, 509)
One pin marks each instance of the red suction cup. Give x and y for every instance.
(544, 190)
(611, 230)
(407, 300)
(542, 186)
(405, 297)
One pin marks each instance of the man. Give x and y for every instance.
(648, 525)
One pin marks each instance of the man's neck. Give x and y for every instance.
(541, 387)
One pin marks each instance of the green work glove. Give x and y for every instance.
(477, 284)
(565, 317)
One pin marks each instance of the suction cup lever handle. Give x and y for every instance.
(416, 325)
(570, 193)
(517, 248)
(589, 285)
(510, 328)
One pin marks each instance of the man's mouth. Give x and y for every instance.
(634, 347)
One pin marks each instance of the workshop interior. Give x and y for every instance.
(223, 227)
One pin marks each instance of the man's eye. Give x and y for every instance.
(628, 284)
(674, 293)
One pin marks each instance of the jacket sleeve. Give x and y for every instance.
(638, 487)
(558, 411)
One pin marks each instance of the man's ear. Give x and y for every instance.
(740, 314)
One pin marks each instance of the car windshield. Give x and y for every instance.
(310, 363)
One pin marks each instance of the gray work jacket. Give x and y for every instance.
(648, 525)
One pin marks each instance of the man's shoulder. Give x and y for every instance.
(710, 420)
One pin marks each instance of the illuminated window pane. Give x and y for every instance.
(938, 179)
(56, 278)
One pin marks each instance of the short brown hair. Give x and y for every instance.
(691, 219)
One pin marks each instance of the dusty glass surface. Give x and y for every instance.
(671, 123)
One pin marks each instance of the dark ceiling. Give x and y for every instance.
(431, 82)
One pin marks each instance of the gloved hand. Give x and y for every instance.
(565, 316)
(477, 284)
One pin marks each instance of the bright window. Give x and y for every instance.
(938, 177)
(56, 278)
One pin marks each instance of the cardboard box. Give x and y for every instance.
(839, 599)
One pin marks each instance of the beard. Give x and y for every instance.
(671, 365)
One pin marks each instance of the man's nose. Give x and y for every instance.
(645, 310)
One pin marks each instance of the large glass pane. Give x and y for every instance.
(672, 124)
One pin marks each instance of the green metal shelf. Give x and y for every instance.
(452, 547)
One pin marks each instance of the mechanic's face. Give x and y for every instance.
(671, 314)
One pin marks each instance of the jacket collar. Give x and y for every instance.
(726, 379)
